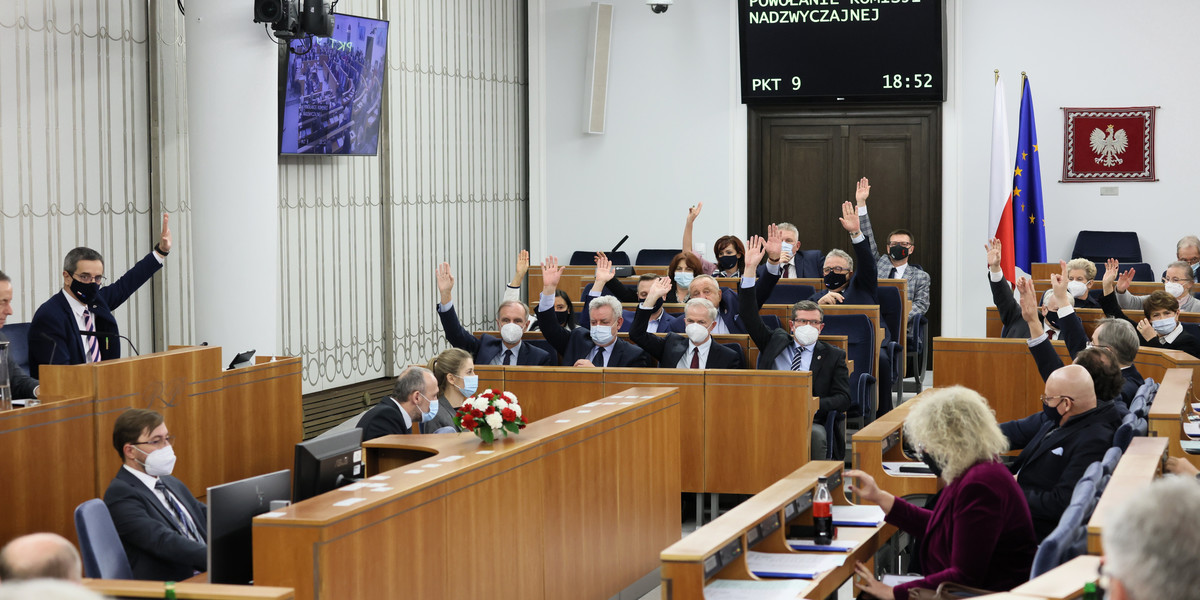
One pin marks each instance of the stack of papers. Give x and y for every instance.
(894, 469)
(811, 546)
(1192, 429)
(1190, 446)
(857, 516)
(895, 580)
(746, 589)
(794, 566)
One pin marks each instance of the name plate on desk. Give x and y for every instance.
(799, 506)
(891, 441)
(722, 557)
(769, 525)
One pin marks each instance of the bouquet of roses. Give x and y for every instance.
(490, 412)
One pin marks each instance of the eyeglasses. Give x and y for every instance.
(86, 278)
(158, 442)
(840, 270)
(1165, 280)
(802, 322)
(901, 244)
(1046, 400)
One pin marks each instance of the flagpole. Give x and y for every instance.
(997, 72)
(1023, 77)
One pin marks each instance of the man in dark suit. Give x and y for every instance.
(56, 331)
(23, 386)
(512, 319)
(696, 350)
(799, 350)
(1077, 432)
(415, 392)
(1006, 305)
(596, 346)
(161, 524)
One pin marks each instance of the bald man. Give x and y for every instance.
(1077, 432)
(40, 556)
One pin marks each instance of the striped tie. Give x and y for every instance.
(181, 521)
(796, 358)
(93, 343)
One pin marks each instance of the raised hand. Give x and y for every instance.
(521, 269)
(774, 243)
(694, 212)
(862, 191)
(1029, 304)
(849, 219)
(1124, 279)
(445, 282)
(755, 249)
(551, 274)
(1058, 282)
(604, 271)
(164, 241)
(993, 248)
(1111, 267)
(658, 288)
(831, 298)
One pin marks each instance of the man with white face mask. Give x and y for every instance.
(1178, 282)
(597, 346)
(798, 349)
(161, 524)
(512, 320)
(696, 349)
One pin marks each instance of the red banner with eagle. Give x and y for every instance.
(1108, 144)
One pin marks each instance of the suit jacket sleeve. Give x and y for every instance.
(865, 276)
(652, 344)
(1046, 358)
(641, 360)
(1010, 311)
(918, 289)
(838, 397)
(22, 384)
(456, 334)
(511, 294)
(1108, 304)
(1022, 431)
(132, 518)
(1073, 334)
(763, 287)
(116, 293)
(1049, 504)
(47, 344)
(618, 290)
(909, 518)
(553, 331)
(387, 422)
(864, 224)
(979, 520)
(748, 311)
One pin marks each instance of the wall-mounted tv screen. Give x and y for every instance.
(332, 94)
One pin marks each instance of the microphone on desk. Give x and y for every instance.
(53, 348)
(624, 271)
(108, 335)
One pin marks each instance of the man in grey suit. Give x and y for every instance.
(23, 386)
(894, 263)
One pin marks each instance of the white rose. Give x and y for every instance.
(511, 397)
(494, 420)
(517, 409)
(500, 405)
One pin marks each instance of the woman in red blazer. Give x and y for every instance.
(979, 532)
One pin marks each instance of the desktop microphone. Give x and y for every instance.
(108, 334)
(53, 348)
(619, 244)
(624, 271)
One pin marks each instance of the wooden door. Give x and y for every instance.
(805, 160)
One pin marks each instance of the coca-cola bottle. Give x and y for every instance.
(823, 513)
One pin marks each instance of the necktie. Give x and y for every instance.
(892, 275)
(507, 357)
(695, 358)
(598, 360)
(796, 358)
(93, 343)
(181, 521)
(784, 275)
(1050, 334)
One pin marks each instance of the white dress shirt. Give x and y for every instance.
(685, 362)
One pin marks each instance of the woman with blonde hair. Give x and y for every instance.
(979, 532)
(454, 370)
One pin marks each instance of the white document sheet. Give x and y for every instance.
(857, 516)
(802, 566)
(745, 589)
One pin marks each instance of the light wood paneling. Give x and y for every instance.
(545, 391)
(691, 412)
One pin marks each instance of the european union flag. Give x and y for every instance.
(1029, 218)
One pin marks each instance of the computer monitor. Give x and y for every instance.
(231, 507)
(327, 463)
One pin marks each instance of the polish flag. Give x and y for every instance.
(1000, 184)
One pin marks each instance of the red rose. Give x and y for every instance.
(475, 412)
(508, 414)
(490, 409)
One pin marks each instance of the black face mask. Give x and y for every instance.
(1051, 319)
(562, 315)
(834, 281)
(727, 263)
(1051, 413)
(933, 465)
(898, 252)
(85, 292)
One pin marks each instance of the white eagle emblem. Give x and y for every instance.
(1109, 145)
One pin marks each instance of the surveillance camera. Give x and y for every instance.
(659, 6)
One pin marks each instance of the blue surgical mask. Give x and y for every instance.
(1164, 326)
(471, 383)
(602, 334)
(683, 278)
(433, 410)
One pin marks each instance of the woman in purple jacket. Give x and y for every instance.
(979, 532)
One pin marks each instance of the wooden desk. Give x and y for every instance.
(51, 466)
(1089, 316)
(1141, 464)
(1064, 582)
(184, 590)
(882, 441)
(1172, 404)
(740, 430)
(717, 550)
(576, 509)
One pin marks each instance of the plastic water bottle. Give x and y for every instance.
(823, 513)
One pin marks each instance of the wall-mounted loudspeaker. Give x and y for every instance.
(596, 82)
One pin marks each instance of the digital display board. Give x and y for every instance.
(842, 49)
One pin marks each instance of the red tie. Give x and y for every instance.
(695, 358)
(1051, 334)
(785, 270)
